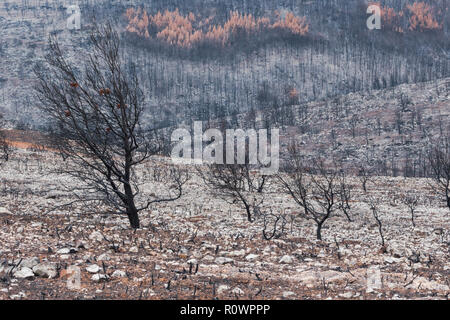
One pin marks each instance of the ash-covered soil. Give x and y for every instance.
(201, 247)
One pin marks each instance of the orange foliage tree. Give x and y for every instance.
(422, 18)
(184, 31)
(296, 25)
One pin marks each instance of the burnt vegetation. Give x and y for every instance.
(98, 113)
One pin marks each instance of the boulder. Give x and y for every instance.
(29, 262)
(46, 270)
(23, 273)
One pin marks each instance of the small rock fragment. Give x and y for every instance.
(287, 259)
(93, 268)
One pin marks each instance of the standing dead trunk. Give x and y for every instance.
(319, 231)
(132, 211)
(447, 194)
(249, 213)
(133, 217)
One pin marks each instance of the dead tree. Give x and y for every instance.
(316, 188)
(411, 201)
(439, 160)
(365, 174)
(5, 148)
(345, 195)
(98, 114)
(278, 225)
(375, 208)
(236, 183)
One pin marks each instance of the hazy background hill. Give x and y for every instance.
(263, 68)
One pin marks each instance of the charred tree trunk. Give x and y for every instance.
(319, 231)
(448, 198)
(133, 217)
(249, 213)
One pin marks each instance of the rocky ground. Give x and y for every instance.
(200, 247)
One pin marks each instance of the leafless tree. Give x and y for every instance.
(411, 201)
(316, 188)
(345, 195)
(365, 174)
(439, 160)
(236, 183)
(375, 208)
(5, 148)
(277, 222)
(98, 113)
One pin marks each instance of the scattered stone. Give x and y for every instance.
(24, 273)
(208, 258)
(288, 294)
(222, 288)
(391, 260)
(223, 260)
(251, 257)
(29, 262)
(46, 270)
(133, 250)
(63, 251)
(21, 295)
(237, 253)
(99, 277)
(103, 257)
(4, 211)
(93, 268)
(238, 291)
(96, 236)
(346, 295)
(36, 224)
(287, 259)
(119, 274)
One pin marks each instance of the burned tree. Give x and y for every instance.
(365, 175)
(319, 190)
(411, 201)
(439, 160)
(345, 195)
(98, 114)
(375, 208)
(236, 183)
(5, 149)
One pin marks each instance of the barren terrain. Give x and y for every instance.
(200, 247)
